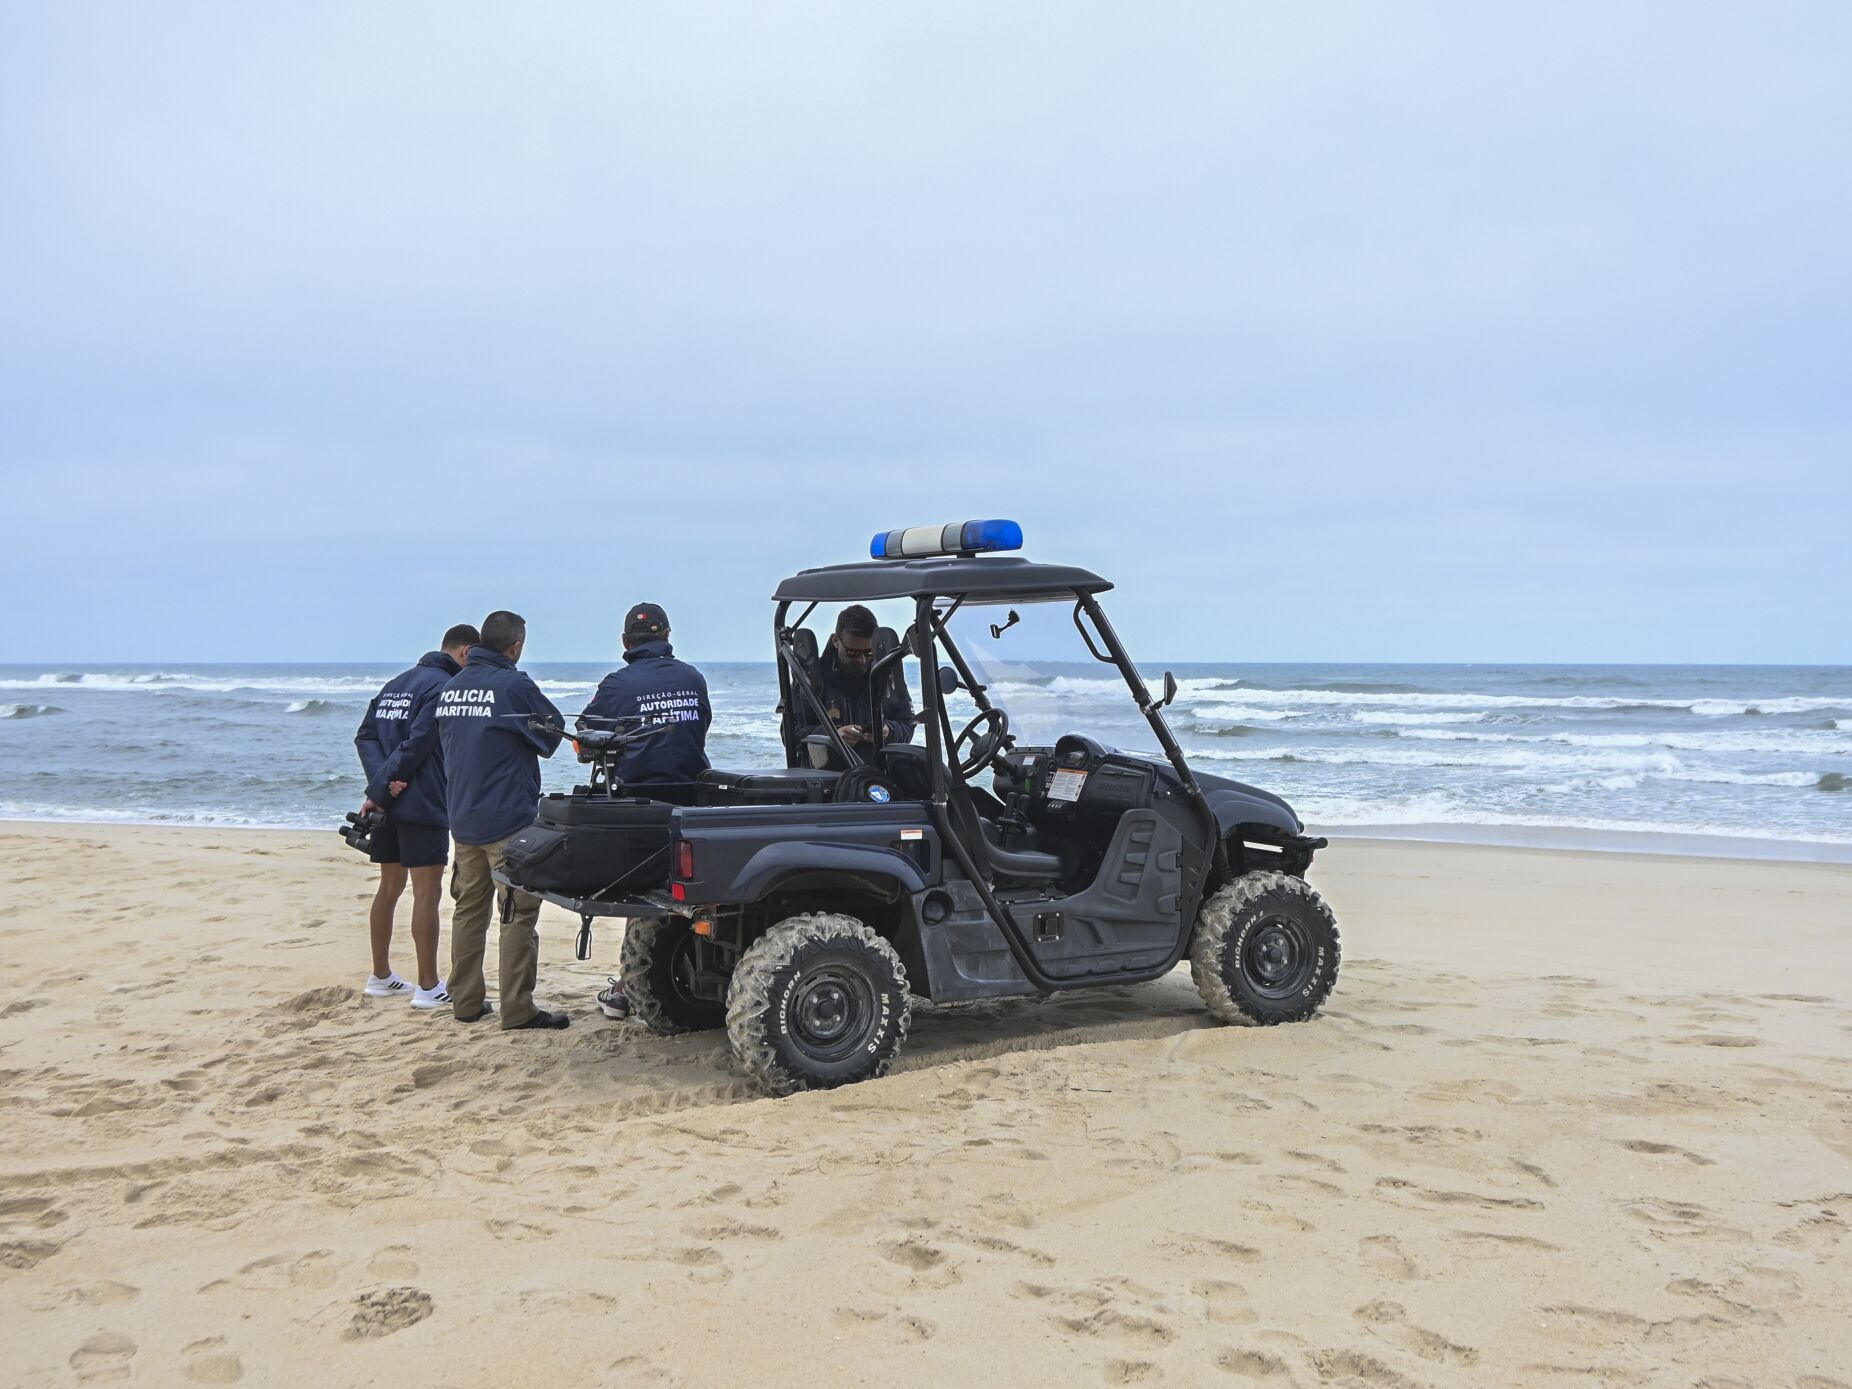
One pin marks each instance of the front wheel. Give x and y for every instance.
(1266, 948)
(656, 964)
(818, 1001)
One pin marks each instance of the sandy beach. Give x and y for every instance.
(1570, 1118)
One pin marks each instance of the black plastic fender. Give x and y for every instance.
(776, 862)
(1235, 804)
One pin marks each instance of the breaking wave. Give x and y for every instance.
(1410, 716)
(27, 711)
(173, 682)
(1706, 708)
(1657, 765)
(1241, 712)
(1440, 811)
(1777, 741)
(310, 706)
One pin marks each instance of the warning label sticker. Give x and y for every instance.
(1065, 785)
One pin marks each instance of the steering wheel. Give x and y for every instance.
(986, 745)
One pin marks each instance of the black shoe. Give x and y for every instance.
(550, 1022)
(488, 1011)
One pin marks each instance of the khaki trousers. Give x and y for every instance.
(475, 893)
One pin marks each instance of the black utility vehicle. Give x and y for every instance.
(802, 908)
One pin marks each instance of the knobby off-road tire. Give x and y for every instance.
(653, 965)
(818, 1001)
(1266, 949)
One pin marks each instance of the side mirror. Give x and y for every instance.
(1170, 690)
(998, 629)
(948, 680)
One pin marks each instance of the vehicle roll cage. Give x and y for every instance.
(930, 627)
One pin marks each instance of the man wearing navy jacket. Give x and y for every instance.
(495, 726)
(656, 689)
(405, 779)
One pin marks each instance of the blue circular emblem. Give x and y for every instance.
(879, 794)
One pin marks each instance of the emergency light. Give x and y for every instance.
(959, 538)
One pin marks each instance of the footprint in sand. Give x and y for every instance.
(1678, 1218)
(1382, 1255)
(731, 1230)
(387, 1310)
(1493, 1243)
(316, 1269)
(1127, 1328)
(1129, 1371)
(1824, 1225)
(1224, 1303)
(394, 1261)
(209, 1362)
(27, 1253)
(105, 1294)
(1219, 1249)
(926, 1262)
(1443, 1197)
(1715, 1039)
(1720, 1303)
(1354, 1367)
(1258, 1365)
(1652, 1149)
(103, 1357)
(1390, 1321)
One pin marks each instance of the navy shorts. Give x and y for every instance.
(414, 845)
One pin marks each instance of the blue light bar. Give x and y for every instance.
(959, 538)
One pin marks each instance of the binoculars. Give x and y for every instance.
(358, 829)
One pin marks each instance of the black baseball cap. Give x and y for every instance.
(646, 620)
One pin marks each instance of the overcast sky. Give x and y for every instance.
(1328, 331)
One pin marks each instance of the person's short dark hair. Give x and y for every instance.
(501, 630)
(461, 635)
(856, 621)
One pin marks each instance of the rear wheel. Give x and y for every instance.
(1266, 948)
(818, 1001)
(656, 965)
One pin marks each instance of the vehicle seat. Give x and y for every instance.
(1021, 865)
(1017, 863)
(804, 646)
(907, 767)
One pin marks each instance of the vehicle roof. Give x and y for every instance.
(981, 578)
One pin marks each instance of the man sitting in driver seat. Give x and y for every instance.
(843, 685)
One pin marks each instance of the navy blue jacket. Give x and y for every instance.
(658, 689)
(491, 754)
(849, 700)
(389, 752)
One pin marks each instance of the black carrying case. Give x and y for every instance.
(768, 786)
(583, 844)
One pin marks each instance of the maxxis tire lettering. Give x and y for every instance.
(1218, 944)
(760, 995)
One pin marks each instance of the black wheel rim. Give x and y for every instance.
(831, 1013)
(1277, 957)
(682, 971)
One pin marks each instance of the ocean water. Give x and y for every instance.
(1755, 755)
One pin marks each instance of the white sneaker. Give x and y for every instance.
(438, 997)
(390, 987)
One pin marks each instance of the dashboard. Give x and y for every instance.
(1076, 777)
